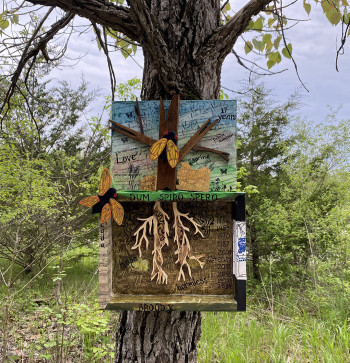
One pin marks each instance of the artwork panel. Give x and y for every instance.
(130, 162)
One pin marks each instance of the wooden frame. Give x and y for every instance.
(177, 299)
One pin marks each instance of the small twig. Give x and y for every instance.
(103, 43)
(279, 17)
(138, 113)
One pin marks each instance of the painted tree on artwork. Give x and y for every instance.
(184, 45)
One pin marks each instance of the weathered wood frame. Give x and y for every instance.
(235, 302)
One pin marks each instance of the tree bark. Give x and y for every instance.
(172, 337)
(158, 337)
(184, 27)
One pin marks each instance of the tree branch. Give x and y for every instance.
(102, 12)
(223, 39)
(40, 45)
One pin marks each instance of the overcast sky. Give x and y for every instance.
(314, 50)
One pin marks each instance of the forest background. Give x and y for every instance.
(296, 176)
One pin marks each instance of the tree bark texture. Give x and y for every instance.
(184, 26)
(158, 337)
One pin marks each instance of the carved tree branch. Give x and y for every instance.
(102, 12)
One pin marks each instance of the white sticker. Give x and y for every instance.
(239, 250)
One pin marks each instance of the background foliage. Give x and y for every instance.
(296, 175)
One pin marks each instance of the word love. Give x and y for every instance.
(125, 159)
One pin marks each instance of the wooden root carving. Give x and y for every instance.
(158, 227)
(183, 244)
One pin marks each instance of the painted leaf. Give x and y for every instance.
(172, 153)
(89, 201)
(105, 182)
(157, 148)
(106, 213)
(117, 211)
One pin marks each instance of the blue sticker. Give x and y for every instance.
(242, 246)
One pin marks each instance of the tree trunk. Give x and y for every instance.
(184, 26)
(168, 337)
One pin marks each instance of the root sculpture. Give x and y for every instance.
(183, 244)
(157, 226)
(159, 222)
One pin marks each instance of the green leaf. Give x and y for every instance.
(226, 8)
(269, 45)
(276, 42)
(258, 44)
(307, 7)
(270, 63)
(15, 18)
(275, 56)
(279, 57)
(250, 25)
(334, 16)
(258, 25)
(126, 52)
(4, 24)
(326, 6)
(248, 47)
(270, 22)
(134, 48)
(287, 51)
(267, 38)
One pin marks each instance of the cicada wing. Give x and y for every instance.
(117, 211)
(105, 213)
(157, 148)
(172, 153)
(105, 182)
(89, 201)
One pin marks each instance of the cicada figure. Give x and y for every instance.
(105, 203)
(166, 149)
